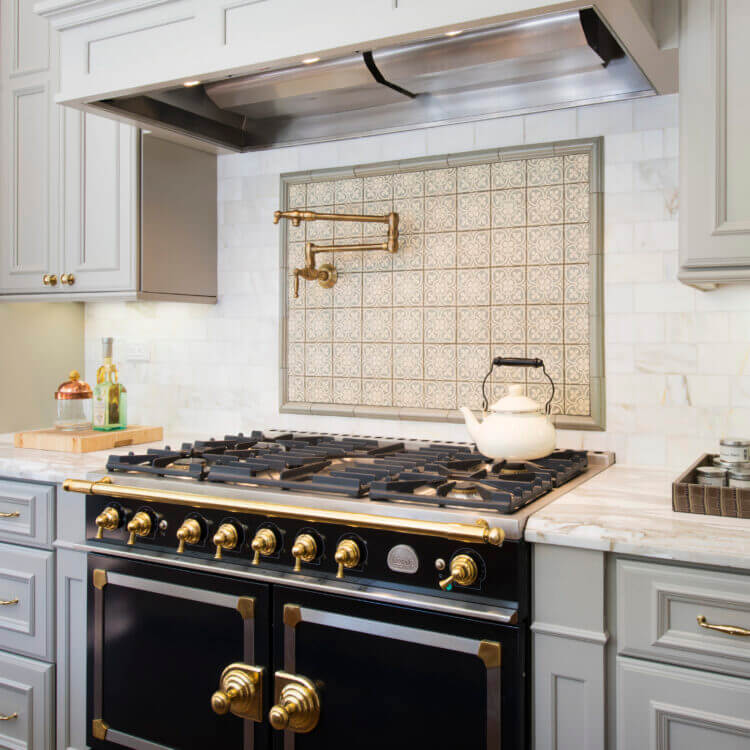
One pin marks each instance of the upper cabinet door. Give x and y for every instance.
(714, 145)
(29, 138)
(101, 204)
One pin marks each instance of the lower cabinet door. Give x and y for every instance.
(176, 659)
(673, 708)
(350, 673)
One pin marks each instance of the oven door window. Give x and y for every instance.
(159, 640)
(393, 677)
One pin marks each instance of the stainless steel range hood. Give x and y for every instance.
(556, 60)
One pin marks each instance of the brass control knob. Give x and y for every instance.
(108, 519)
(305, 549)
(464, 572)
(49, 279)
(298, 705)
(225, 538)
(264, 543)
(347, 556)
(239, 692)
(189, 533)
(139, 525)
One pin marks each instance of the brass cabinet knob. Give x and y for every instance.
(225, 538)
(189, 533)
(347, 556)
(49, 279)
(297, 706)
(264, 543)
(68, 278)
(240, 691)
(464, 572)
(305, 549)
(139, 525)
(108, 519)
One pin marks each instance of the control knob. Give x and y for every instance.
(139, 525)
(264, 543)
(189, 533)
(108, 519)
(347, 556)
(226, 537)
(464, 572)
(305, 549)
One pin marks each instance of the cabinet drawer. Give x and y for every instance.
(26, 701)
(659, 706)
(658, 611)
(26, 513)
(26, 596)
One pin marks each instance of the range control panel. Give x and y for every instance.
(428, 564)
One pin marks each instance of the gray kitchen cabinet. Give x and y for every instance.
(27, 513)
(714, 148)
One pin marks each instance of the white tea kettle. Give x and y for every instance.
(517, 428)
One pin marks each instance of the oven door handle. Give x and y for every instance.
(297, 706)
(240, 691)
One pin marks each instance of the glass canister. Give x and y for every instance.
(74, 399)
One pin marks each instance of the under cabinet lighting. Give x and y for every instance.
(455, 32)
(310, 60)
(190, 84)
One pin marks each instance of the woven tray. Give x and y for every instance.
(689, 497)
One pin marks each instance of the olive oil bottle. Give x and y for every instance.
(110, 396)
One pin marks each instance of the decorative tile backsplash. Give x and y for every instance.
(498, 254)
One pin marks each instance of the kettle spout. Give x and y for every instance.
(472, 424)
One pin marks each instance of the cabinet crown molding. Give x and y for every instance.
(66, 14)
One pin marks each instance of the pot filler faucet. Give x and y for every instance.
(327, 275)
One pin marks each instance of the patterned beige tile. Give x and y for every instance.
(377, 260)
(408, 184)
(544, 324)
(295, 257)
(408, 393)
(508, 286)
(440, 361)
(577, 283)
(319, 325)
(509, 247)
(348, 290)
(378, 188)
(547, 171)
(295, 359)
(440, 250)
(296, 196)
(577, 400)
(440, 181)
(318, 390)
(377, 392)
(470, 394)
(545, 205)
(407, 288)
(552, 356)
(439, 288)
(541, 392)
(351, 230)
(508, 374)
(440, 213)
(377, 360)
(347, 391)
(473, 324)
(473, 249)
(377, 324)
(347, 324)
(473, 211)
(576, 324)
(375, 231)
(473, 361)
(544, 285)
(509, 324)
(509, 208)
(440, 324)
(320, 194)
(411, 215)
(577, 243)
(439, 395)
(577, 364)
(295, 326)
(576, 202)
(347, 360)
(577, 168)
(410, 253)
(318, 360)
(407, 324)
(473, 286)
(545, 245)
(348, 191)
(295, 234)
(347, 262)
(471, 179)
(407, 361)
(316, 295)
(295, 388)
(377, 289)
(508, 174)
(319, 231)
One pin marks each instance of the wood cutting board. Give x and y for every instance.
(85, 441)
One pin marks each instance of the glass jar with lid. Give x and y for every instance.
(73, 399)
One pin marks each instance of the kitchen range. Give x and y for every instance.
(287, 589)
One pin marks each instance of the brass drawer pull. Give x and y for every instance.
(12, 514)
(49, 279)
(68, 279)
(5, 602)
(8, 717)
(728, 629)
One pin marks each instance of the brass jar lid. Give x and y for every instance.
(73, 388)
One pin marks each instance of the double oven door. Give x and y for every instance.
(180, 659)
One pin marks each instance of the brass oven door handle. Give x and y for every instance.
(12, 514)
(6, 602)
(297, 705)
(728, 629)
(240, 691)
(8, 717)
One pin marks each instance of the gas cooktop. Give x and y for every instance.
(387, 470)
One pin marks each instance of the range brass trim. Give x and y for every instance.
(292, 615)
(99, 729)
(99, 578)
(490, 652)
(246, 607)
(479, 533)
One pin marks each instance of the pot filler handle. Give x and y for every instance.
(518, 362)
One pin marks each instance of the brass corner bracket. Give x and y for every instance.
(327, 275)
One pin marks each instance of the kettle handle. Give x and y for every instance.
(518, 362)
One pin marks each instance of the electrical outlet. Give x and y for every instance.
(137, 352)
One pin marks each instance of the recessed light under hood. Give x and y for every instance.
(556, 60)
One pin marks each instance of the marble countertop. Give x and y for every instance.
(628, 509)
